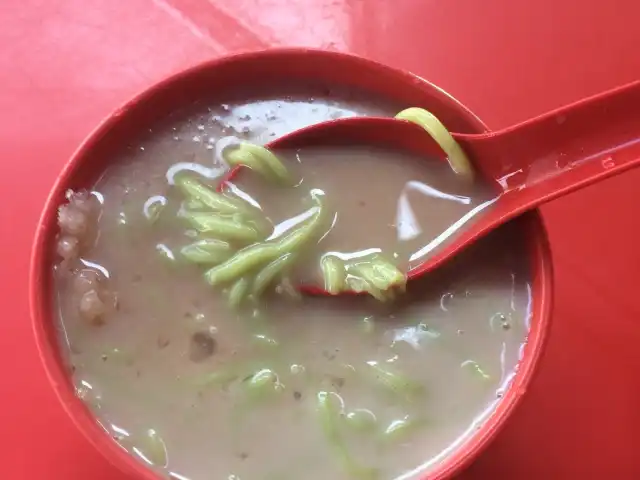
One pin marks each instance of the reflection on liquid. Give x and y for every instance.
(451, 230)
(407, 224)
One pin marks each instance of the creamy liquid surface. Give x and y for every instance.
(383, 200)
(149, 366)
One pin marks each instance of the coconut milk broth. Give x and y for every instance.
(145, 368)
(402, 209)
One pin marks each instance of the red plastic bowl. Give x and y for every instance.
(269, 67)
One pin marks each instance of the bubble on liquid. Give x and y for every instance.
(245, 118)
(225, 107)
(445, 300)
(270, 116)
(176, 138)
(201, 127)
(500, 321)
(153, 207)
(142, 148)
(196, 138)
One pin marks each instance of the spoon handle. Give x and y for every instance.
(563, 150)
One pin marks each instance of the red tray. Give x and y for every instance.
(64, 64)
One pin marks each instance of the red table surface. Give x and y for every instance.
(64, 64)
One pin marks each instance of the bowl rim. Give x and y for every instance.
(538, 249)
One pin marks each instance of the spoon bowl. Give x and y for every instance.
(378, 132)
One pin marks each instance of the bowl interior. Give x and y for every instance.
(228, 76)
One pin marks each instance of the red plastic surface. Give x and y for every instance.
(66, 63)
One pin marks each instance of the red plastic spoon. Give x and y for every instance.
(528, 164)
